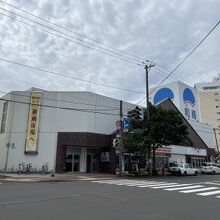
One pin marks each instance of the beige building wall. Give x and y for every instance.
(210, 110)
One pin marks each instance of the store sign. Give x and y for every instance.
(105, 156)
(190, 104)
(164, 150)
(33, 123)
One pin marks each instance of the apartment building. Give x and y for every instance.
(209, 99)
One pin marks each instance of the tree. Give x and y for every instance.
(135, 118)
(164, 128)
(133, 140)
(215, 157)
(134, 144)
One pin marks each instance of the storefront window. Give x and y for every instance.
(195, 161)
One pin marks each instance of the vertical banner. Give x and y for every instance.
(33, 123)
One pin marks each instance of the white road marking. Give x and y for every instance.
(187, 187)
(160, 184)
(180, 187)
(143, 184)
(133, 183)
(209, 193)
(212, 183)
(199, 190)
(123, 181)
(177, 185)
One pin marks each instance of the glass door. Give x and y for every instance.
(76, 163)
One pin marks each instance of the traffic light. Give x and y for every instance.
(115, 142)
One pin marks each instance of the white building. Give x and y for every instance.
(185, 98)
(209, 99)
(69, 131)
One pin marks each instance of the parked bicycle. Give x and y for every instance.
(28, 168)
(44, 168)
(21, 168)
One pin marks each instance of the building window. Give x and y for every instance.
(217, 100)
(217, 106)
(194, 114)
(187, 113)
(211, 88)
(216, 93)
(4, 117)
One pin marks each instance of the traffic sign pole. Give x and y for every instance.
(120, 143)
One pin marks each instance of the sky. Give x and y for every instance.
(162, 31)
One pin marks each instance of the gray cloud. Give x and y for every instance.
(159, 30)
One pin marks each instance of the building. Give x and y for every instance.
(185, 98)
(192, 150)
(209, 99)
(73, 132)
(68, 131)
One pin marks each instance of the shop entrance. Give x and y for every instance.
(81, 159)
(72, 161)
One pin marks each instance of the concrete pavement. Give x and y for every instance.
(96, 201)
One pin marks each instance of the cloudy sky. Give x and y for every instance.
(162, 31)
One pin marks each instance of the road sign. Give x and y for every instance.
(126, 124)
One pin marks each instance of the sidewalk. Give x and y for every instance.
(58, 177)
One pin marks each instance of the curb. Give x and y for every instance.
(51, 179)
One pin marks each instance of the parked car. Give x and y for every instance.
(182, 169)
(209, 167)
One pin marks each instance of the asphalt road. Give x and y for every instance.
(114, 199)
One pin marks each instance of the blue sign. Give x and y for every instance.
(126, 123)
(162, 94)
(188, 97)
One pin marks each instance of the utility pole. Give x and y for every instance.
(216, 140)
(120, 138)
(147, 68)
(7, 154)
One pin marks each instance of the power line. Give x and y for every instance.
(128, 59)
(68, 76)
(181, 62)
(64, 101)
(74, 32)
(89, 45)
(31, 84)
(56, 107)
(176, 78)
(188, 55)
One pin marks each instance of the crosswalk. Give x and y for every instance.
(203, 189)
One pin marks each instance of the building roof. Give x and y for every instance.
(194, 140)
